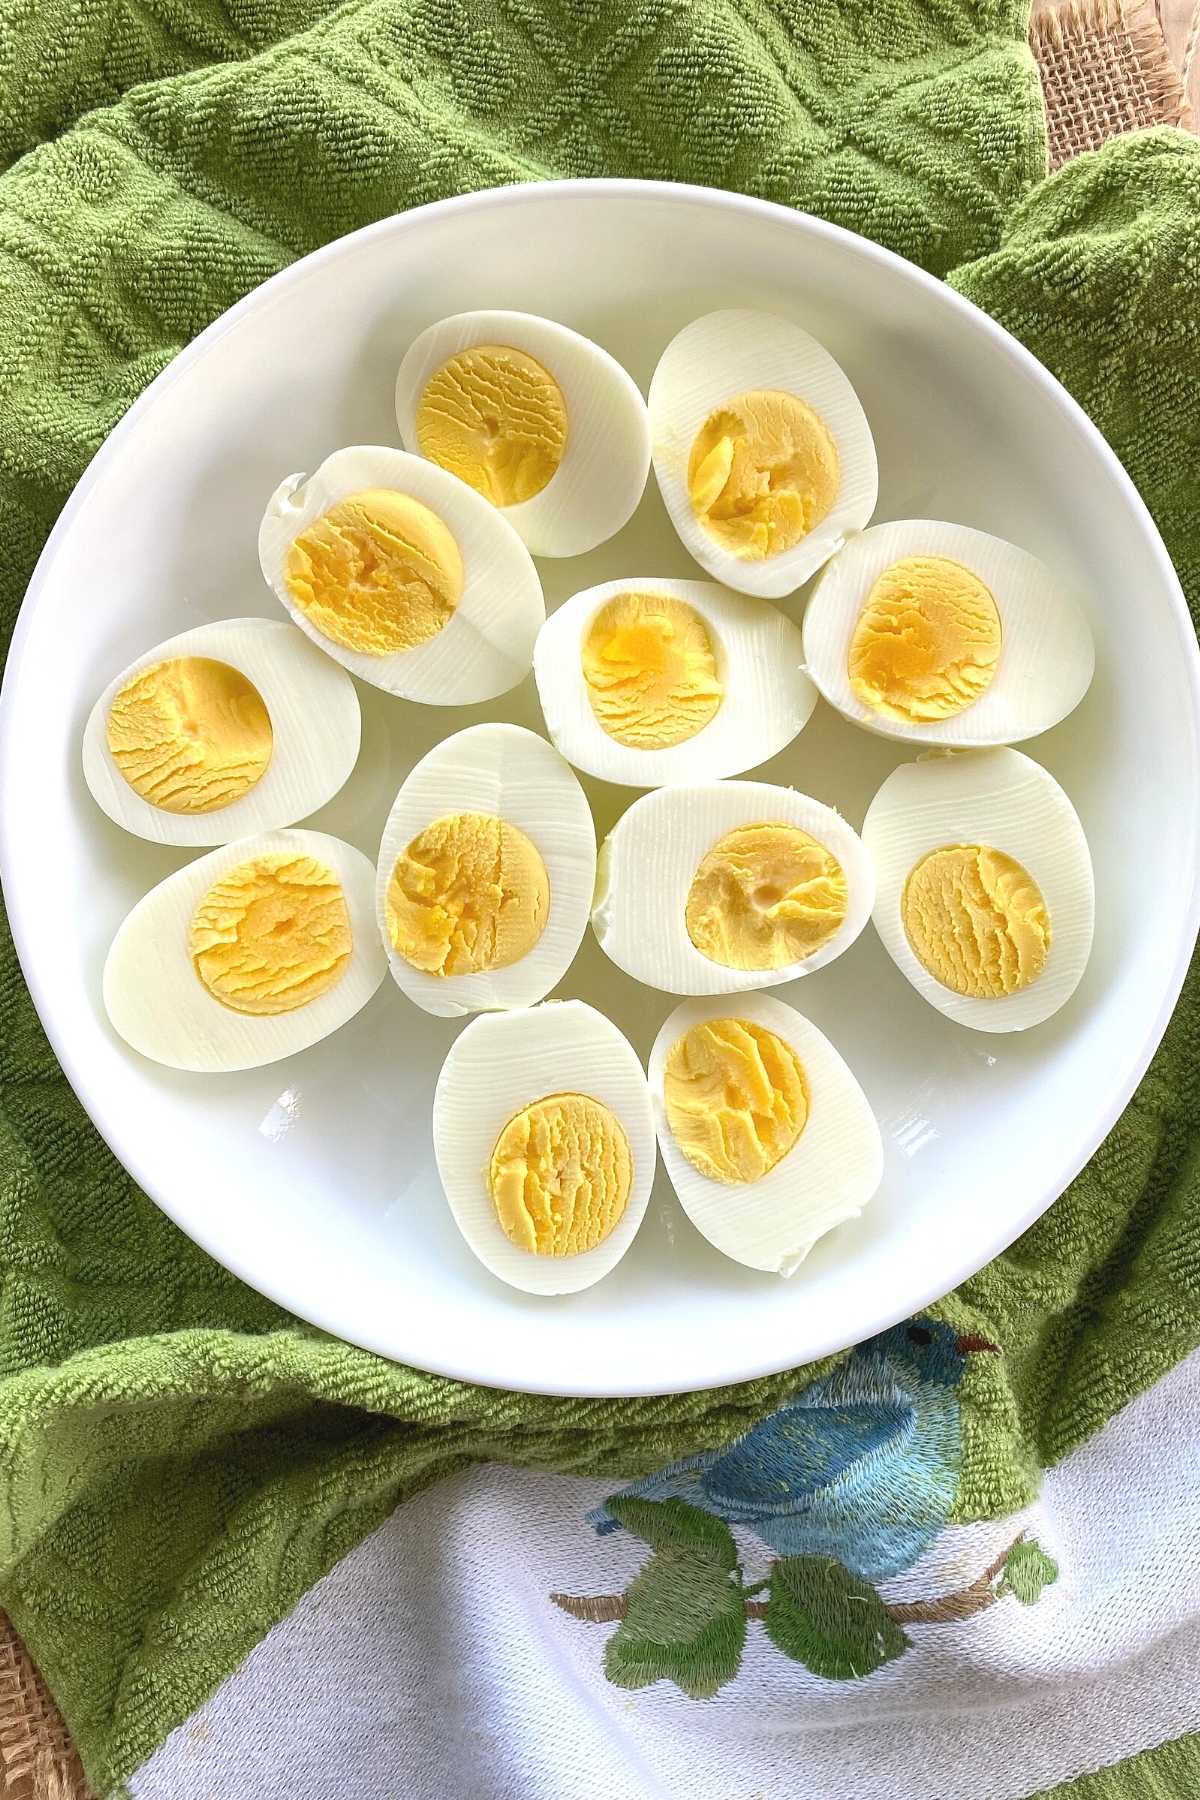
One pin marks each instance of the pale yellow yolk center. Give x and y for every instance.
(560, 1175)
(379, 572)
(765, 896)
(190, 735)
(272, 934)
(927, 641)
(977, 920)
(764, 470)
(469, 893)
(736, 1098)
(495, 418)
(650, 671)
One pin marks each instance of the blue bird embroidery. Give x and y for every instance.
(863, 1466)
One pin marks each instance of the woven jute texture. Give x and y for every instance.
(37, 1761)
(1106, 69)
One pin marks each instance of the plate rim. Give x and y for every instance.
(620, 190)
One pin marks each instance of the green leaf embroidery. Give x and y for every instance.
(1027, 1570)
(821, 1615)
(673, 1524)
(683, 1622)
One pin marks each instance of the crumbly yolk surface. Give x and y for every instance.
(977, 920)
(560, 1175)
(495, 418)
(736, 1097)
(765, 896)
(469, 893)
(190, 735)
(763, 471)
(272, 934)
(650, 670)
(379, 572)
(927, 641)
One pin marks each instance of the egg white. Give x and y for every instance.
(649, 860)
(159, 1005)
(1047, 657)
(712, 361)
(768, 698)
(500, 1064)
(606, 460)
(315, 722)
(1008, 802)
(832, 1170)
(514, 775)
(486, 646)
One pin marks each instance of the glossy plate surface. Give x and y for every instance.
(314, 1179)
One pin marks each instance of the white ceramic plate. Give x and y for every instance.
(314, 1179)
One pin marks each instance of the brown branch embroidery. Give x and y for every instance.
(948, 1608)
(597, 1609)
(608, 1609)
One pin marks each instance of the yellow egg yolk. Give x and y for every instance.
(765, 896)
(650, 671)
(560, 1175)
(469, 893)
(763, 471)
(977, 920)
(927, 641)
(272, 934)
(190, 735)
(736, 1098)
(379, 572)
(495, 418)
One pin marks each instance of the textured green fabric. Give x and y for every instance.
(179, 1460)
(1099, 273)
(1171, 1772)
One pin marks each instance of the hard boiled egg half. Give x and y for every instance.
(985, 892)
(762, 451)
(647, 681)
(944, 635)
(768, 1139)
(248, 954)
(485, 872)
(545, 1144)
(719, 888)
(404, 575)
(540, 421)
(225, 730)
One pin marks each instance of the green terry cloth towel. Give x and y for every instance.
(179, 1459)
